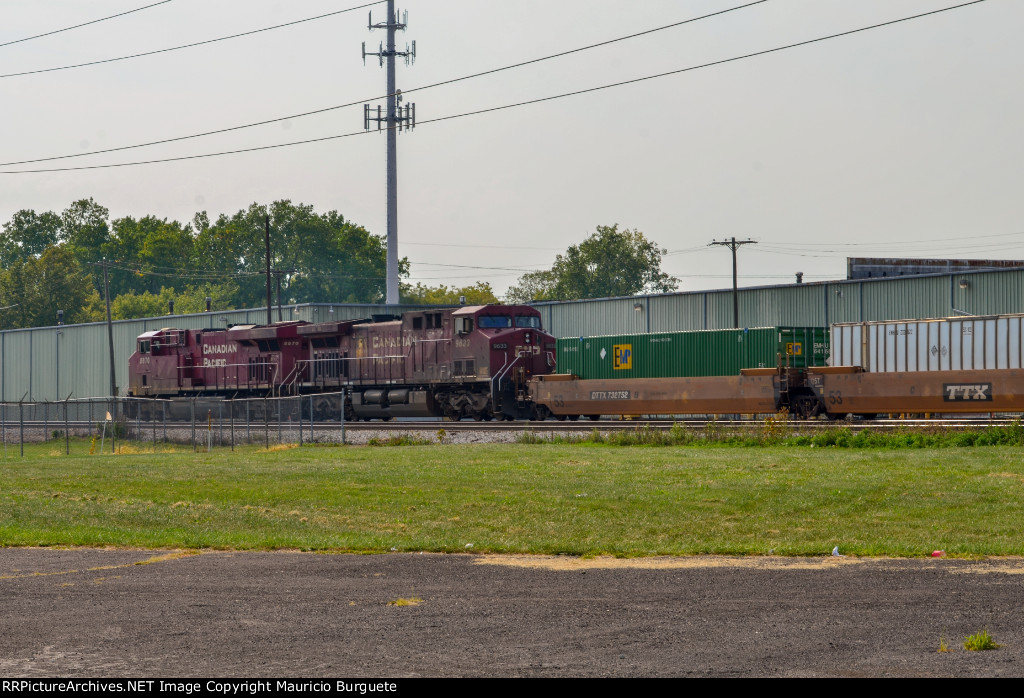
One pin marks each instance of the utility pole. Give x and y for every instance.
(733, 244)
(266, 227)
(110, 335)
(277, 276)
(394, 121)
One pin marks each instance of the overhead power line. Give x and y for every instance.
(85, 24)
(513, 105)
(192, 45)
(323, 110)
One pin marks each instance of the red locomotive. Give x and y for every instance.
(472, 361)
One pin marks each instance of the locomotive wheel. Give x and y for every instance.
(477, 417)
(573, 417)
(560, 417)
(593, 417)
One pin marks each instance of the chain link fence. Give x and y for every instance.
(108, 425)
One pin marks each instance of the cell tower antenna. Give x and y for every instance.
(393, 122)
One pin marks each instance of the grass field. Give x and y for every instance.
(548, 498)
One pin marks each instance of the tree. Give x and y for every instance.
(533, 286)
(84, 229)
(28, 234)
(323, 257)
(479, 293)
(35, 289)
(192, 300)
(608, 263)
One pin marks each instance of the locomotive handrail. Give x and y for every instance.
(496, 381)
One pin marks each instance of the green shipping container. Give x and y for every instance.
(691, 354)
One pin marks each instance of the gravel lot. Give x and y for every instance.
(102, 613)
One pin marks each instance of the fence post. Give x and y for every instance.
(310, 419)
(163, 412)
(67, 439)
(266, 423)
(90, 418)
(302, 426)
(220, 421)
(193, 406)
(231, 416)
(344, 394)
(279, 421)
(113, 426)
(248, 438)
(21, 425)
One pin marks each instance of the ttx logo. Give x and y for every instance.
(964, 392)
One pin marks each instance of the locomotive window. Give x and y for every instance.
(437, 320)
(417, 323)
(494, 321)
(430, 321)
(144, 347)
(528, 321)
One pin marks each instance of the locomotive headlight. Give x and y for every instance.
(527, 337)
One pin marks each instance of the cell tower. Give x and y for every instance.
(393, 122)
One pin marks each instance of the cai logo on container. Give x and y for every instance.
(622, 356)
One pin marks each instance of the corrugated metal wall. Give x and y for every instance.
(43, 365)
(817, 304)
(48, 363)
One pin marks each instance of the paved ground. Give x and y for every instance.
(136, 613)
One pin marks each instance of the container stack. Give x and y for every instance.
(945, 344)
(693, 353)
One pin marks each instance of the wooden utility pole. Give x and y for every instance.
(110, 336)
(733, 244)
(270, 311)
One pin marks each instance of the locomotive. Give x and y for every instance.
(470, 361)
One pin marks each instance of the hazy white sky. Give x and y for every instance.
(901, 141)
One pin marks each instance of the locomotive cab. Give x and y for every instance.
(506, 346)
(154, 367)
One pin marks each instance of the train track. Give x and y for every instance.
(665, 425)
(549, 426)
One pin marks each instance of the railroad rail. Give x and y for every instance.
(793, 425)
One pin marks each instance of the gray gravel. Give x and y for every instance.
(101, 613)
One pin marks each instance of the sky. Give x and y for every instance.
(900, 141)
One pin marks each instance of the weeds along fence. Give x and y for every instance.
(108, 424)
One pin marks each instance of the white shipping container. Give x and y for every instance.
(947, 344)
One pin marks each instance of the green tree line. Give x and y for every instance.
(48, 262)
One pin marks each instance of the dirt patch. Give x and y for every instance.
(573, 564)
